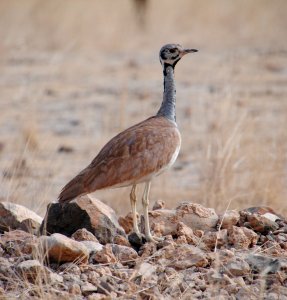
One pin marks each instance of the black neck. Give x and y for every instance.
(167, 108)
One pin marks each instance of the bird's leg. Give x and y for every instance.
(133, 199)
(145, 202)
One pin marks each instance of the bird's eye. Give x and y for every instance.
(171, 50)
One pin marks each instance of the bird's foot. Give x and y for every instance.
(153, 239)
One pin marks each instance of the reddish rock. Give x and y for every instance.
(213, 239)
(85, 212)
(104, 256)
(241, 237)
(15, 216)
(127, 222)
(186, 256)
(228, 219)
(123, 253)
(60, 248)
(84, 235)
(187, 232)
(121, 240)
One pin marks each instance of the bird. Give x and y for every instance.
(139, 153)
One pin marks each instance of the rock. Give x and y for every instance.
(145, 270)
(228, 219)
(236, 266)
(92, 214)
(264, 211)
(104, 256)
(31, 270)
(54, 278)
(186, 256)
(165, 221)
(260, 224)
(124, 253)
(18, 242)
(88, 288)
(127, 222)
(121, 240)
(84, 235)
(187, 232)
(262, 263)
(197, 216)
(159, 204)
(70, 268)
(241, 237)
(60, 248)
(213, 239)
(74, 289)
(92, 246)
(15, 216)
(147, 250)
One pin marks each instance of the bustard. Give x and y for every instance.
(140, 152)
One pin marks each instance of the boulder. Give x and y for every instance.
(60, 248)
(15, 216)
(83, 212)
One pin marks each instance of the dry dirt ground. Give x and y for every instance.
(75, 73)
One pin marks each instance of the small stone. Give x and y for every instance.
(123, 253)
(213, 239)
(261, 223)
(237, 267)
(60, 248)
(74, 289)
(127, 222)
(241, 237)
(228, 219)
(70, 268)
(159, 204)
(18, 242)
(84, 235)
(121, 240)
(88, 288)
(187, 232)
(31, 270)
(147, 250)
(104, 256)
(186, 256)
(92, 246)
(54, 278)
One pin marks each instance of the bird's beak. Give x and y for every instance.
(186, 51)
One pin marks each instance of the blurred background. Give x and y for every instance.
(73, 73)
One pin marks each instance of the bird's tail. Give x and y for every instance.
(72, 189)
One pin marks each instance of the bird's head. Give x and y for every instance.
(170, 54)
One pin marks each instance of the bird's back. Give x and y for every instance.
(134, 155)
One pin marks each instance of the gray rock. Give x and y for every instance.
(15, 216)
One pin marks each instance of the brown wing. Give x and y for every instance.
(131, 155)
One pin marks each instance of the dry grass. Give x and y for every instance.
(74, 73)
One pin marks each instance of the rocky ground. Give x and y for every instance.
(84, 251)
